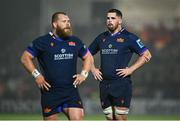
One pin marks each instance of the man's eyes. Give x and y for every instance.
(111, 18)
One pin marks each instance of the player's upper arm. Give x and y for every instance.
(80, 47)
(36, 47)
(26, 56)
(87, 55)
(136, 45)
(94, 46)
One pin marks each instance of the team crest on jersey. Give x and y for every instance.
(120, 40)
(52, 44)
(47, 110)
(72, 43)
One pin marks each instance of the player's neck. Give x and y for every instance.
(116, 31)
(54, 32)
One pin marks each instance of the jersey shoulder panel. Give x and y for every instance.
(130, 36)
(103, 35)
(38, 45)
(135, 43)
(74, 38)
(42, 39)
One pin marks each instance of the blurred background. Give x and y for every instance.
(157, 22)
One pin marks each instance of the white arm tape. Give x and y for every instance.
(107, 111)
(35, 73)
(84, 73)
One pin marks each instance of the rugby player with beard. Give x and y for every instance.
(57, 54)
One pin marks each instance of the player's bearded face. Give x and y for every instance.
(63, 26)
(64, 32)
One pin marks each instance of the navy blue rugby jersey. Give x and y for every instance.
(116, 51)
(57, 58)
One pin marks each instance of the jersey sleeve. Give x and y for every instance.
(82, 49)
(36, 47)
(136, 45)
(94, 46)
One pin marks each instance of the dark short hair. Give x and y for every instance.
(55, 16)
(118, 12)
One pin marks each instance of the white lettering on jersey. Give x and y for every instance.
(109, 51)
(63, 56)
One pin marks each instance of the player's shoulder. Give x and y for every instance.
(42, 38)
(129, 35)
(102, 36)
(74, 38)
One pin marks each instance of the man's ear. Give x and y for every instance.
(54, 25)
(120, 21)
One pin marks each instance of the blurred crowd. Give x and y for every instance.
(160, 78)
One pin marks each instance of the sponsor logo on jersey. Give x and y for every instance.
(110, 45)
(63, 50)
(120, 40)
(110, 50)
(72, 43)
(63, 55)
(140, 44)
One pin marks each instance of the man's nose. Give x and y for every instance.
(110, 20)
(68, 24)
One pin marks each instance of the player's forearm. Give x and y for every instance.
(87, 62)
(92, 64)
(27, 61)
(141, 60)
(86, 65)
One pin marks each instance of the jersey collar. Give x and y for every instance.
(118, 33)
(54, 37)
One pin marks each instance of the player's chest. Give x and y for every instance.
(116, 44)
(56, 47)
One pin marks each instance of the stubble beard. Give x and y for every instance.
(112, 28)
